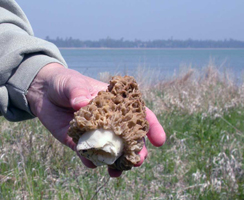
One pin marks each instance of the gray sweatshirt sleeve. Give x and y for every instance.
(21, 57)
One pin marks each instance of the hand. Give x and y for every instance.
(56, 93)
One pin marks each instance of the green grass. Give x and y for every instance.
(206, 156)
(203, 157)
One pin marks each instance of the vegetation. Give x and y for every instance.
(121, 43)
(203, 158)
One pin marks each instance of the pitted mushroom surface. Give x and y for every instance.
(111, 128)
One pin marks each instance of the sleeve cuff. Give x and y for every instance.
(19, 83)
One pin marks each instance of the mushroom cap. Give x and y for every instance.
(120, 109)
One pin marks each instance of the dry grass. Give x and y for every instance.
(203, 158)
(208, 91)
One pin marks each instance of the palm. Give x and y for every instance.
(57, 121)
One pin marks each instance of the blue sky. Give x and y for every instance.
(136, 19)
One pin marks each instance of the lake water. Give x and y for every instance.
(162, 62)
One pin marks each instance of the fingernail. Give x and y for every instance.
(79, 100)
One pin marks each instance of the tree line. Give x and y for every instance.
(121, 43)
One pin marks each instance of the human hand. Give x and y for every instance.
(57, 92)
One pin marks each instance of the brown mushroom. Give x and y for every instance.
(111, 128)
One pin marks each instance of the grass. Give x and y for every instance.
(203, 158)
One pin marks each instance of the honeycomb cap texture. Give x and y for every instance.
(121, 109)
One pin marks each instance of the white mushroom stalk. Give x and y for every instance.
(100, 146)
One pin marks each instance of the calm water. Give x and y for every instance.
(162, 62)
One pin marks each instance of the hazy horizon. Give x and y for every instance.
(124, 39)
(137, 19)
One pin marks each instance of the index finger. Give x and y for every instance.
(156, 133)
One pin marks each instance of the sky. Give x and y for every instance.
(136, 19)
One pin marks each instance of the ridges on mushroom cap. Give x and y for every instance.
(120, 109)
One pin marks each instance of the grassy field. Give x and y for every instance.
(203, 116)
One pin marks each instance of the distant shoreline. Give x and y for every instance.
(106, 48)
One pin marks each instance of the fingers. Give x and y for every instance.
(114, 173)
(86, 162)
(69, 142)
(156, 133)
(143, 155)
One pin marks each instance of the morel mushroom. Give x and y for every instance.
(111, 128)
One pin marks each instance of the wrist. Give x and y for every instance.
(39, 86)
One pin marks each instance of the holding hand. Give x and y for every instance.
(57, 92)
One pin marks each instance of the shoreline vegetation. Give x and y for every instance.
(202, 113)
(150, 44)
(119, 48)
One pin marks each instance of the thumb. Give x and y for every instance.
(79, 102)
(79, 98)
